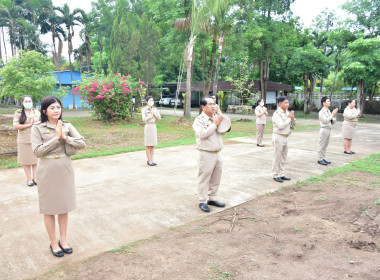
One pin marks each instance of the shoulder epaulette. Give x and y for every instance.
(65, 121)
(38, 122)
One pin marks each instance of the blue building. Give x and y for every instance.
(67, 101)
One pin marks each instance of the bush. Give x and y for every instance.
(110, 96)
(298, 105)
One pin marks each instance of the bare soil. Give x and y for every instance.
(322, 230)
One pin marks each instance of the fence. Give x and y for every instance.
(8, 140)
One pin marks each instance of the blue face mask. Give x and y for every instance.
(28, 106)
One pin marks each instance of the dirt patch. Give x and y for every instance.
(323, 230)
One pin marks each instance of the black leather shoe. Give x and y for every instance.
(154, 163)
(322, 162)
(285, 178)
(260, 145)
(215, 203)
(352, 153)
(58, 254)
(65, 250)
(204, 207)
(278, 179)
(348, 153)
(150, 164)
(30, 184)
(34, 182)
(328, 162)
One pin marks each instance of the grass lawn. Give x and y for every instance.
(108, 139)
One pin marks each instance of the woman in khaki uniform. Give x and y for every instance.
(261, 113)
(22, 121)
(51, 141)
(351, 115)
(149, 116)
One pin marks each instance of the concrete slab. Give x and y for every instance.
(121, 199)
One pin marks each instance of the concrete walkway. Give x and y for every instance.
(121, 199)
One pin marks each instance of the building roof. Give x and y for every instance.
(229, 86)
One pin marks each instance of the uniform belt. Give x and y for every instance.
(352, 121)
(283, 135)
(213, 152)
(326, 127)
(56, 156)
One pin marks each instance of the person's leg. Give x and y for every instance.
(206, 164)
(349, 143)
(215, 178)
(284, 155)
(28, 173)
(152, 153)
(346, 144)
(34, 168)
(276, 141)
(147, 151)
(62, 222)
(50, 228)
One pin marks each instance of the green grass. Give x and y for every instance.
(105, 139)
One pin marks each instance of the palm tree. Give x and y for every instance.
(10, 14)
(50, 22)
(84, 34)
(70, 19)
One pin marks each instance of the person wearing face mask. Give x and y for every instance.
(261, 119)
(150, 115)
(351, 118)
(53, 141)
(23, 120)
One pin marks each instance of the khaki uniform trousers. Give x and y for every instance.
(210, 171)
(280, 144)
(260, 133)
(324, 139)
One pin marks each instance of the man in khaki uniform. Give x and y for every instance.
(326, 120)
(283, 121)
(209, 145)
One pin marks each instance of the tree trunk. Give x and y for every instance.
(215, 85)
(101, 54)
(71, 71)
(306, 96)
(211, 70)
(360, 96)
(5, 46)
(57, 62)
(189, 58)
(333, 85)
(264, 77)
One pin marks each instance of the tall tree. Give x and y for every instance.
(70, 19)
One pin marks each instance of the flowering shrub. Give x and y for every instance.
(110, 96)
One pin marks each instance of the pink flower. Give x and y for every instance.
(117, 102)
(142, 83)
(99, 96)
(109, 110)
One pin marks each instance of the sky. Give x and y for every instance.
(306, 10)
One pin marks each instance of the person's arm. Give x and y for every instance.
(277, 120)
(201, 130)
(146, 117)
(157, 114)
(350, 114)
(324, 118)
(16, 122)
(74, 138)
(39, 148)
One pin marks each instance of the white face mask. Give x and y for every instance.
(262, 103)
(28, 105)
(151, 103)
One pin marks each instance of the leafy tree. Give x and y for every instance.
(27, 73)
(362, 65)
(308, 63)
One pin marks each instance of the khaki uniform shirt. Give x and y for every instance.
(281, 123)
(350, 115)
(263, 119)
(23, 136)
(147, 115)
(326, 119)
(208, 138)
(45, 143)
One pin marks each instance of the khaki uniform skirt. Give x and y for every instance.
(25, 155)
(56, 185)
(348, 129)
(150, 134)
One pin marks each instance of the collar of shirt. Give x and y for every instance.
(280, 110)
(205, 116)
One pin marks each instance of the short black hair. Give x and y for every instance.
(324, 99)
(46, 102)
(349, 101)
(148, 97)
(203, 101)
(281, 99)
